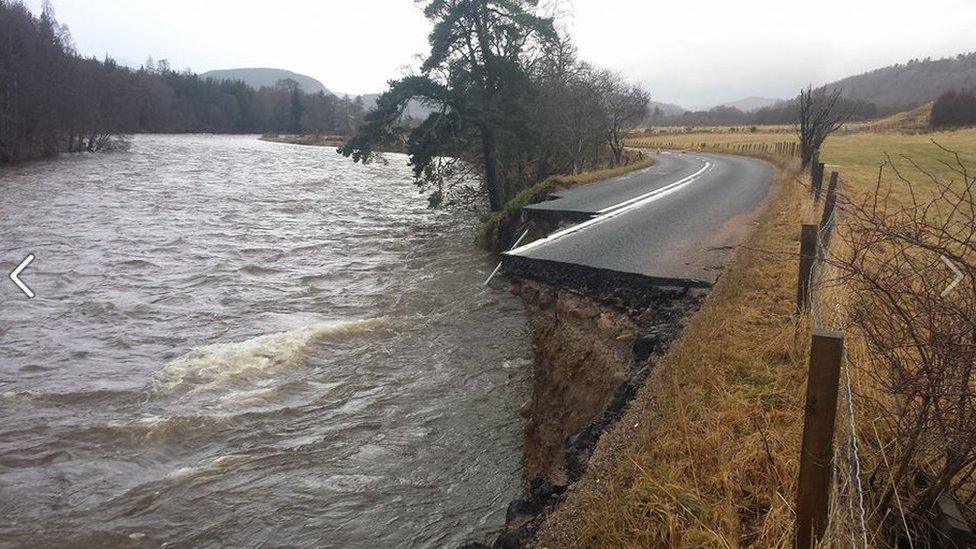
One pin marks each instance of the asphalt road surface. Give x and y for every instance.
(591, 200)
(675, 223)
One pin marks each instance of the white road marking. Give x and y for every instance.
(16, 273)
(615, 210)
(653, 193)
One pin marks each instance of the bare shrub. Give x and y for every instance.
(920, 338)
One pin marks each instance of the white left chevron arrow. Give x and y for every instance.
(959, 275)
(15, 274)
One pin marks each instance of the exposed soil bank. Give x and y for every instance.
(596, 340)
(324, 140)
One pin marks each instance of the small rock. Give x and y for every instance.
(626, 335)
(525, 410)
(619, 377)
(519, 512)
(645, 343)
(606, 324)
(508, 540)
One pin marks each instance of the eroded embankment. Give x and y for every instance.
(596, 337)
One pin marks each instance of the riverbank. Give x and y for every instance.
(645, 398)
(595, 345)
(704, 454)
(315, 140)
(599, 338)
(323, 140)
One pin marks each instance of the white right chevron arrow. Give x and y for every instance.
(959, 275)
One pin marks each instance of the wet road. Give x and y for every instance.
(676, 224)
(593, 199)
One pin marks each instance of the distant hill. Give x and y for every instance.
(906, 86)
(263, 77)
(752, 104)
(267, 78)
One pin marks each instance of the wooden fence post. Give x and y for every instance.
(814, 162)
(830, 201)
(816, 176)
(816, 454)
(818, 188)
(808, 254)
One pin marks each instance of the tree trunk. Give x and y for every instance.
(491, 174)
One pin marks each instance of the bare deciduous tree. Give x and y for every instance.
(820, 115)
(625, 105)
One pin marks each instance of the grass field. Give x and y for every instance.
(856, 155)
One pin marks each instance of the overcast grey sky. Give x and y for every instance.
(691, 53)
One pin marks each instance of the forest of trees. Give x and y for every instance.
(953, 109)
(905, 86)
(512, 103)
(52, 100)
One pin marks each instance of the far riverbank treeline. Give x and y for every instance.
(53, 100)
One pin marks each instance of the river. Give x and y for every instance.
(240, 343)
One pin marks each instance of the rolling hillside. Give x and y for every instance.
(904, 87)
(267, 78)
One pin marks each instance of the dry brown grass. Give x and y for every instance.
(913, 120)
(707, 454)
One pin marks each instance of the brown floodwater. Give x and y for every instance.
(240, 343)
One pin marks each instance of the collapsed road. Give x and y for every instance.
(625, 263)
(673, 224)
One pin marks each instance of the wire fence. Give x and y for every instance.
(743, 145)
(847, 516)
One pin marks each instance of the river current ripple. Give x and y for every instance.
(240, 343)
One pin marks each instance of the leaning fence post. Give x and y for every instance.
(816, 453)
(808, 254)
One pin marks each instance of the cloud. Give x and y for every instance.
(699, 53)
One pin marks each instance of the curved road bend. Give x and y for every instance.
(675, 223)
(590, 200)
